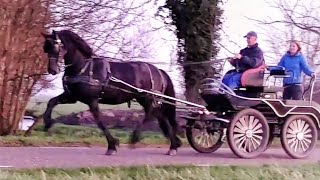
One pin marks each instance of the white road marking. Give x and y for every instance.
(6, 166)
(49, 147)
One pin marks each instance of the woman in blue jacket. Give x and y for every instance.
(294, 62)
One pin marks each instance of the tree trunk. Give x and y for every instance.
(20, 57)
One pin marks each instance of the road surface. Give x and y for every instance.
(76, 157)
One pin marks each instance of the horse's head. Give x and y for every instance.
(54, 48)
(65, 45)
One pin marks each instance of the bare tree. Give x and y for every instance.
(21, 60)
(300, 21)
(121, 30)
(116, 28)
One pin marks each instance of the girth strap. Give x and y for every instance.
(162, 82)
(151, 78)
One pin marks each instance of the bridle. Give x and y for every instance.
(60, 60)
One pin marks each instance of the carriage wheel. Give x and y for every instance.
(204, 141)
(248, 133)
(299, 136)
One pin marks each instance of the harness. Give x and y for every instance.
(80, 78)
(88, 79)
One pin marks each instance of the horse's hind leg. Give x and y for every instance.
(63, 98)
(168, 131)
(169, 111)
(112, 142)
(148, 109)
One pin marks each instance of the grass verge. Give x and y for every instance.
(68, 135)
(309, 172)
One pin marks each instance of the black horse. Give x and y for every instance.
(87, 79)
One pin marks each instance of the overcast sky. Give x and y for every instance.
(235, 26)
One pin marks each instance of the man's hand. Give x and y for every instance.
(237, 56)
(313, 75)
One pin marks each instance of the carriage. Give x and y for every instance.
(251, 116)
(248, 117)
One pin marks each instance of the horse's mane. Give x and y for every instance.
(78, 42)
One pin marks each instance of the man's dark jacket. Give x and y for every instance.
(252, 57)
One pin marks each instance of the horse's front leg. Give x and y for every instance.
(112, 142)
(63, 98)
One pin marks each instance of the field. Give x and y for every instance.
(311, 172)
(39, 107)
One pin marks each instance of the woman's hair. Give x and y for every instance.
(297, 43)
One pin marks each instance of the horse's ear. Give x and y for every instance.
(55, 35)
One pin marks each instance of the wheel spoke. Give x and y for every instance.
(305, 128)
(236, 136)
(303, 124)
(295, 126)
(256, 141)
(305, 144)
(296, 145)
(308, 140)
(201, 140)
(251, 121)
(245, 145)
(293, 144)
(299, 123)
(243, 123)
(291, 140)
(308, 136)
(291, 136)
(258, 126)
(207, 141)
(307, 131)
(240, 141)
(257, 136)
(257, 131)
(238, 130)
(253, 141)
(250, 145)
(291, 131)
(255, 122)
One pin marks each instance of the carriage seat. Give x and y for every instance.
(254, 79)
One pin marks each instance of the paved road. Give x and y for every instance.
(71, 157)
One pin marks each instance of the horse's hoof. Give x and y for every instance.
(111, 152)
(172, 152)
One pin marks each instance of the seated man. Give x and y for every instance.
(248, 58)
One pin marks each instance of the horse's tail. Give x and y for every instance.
(169, 110)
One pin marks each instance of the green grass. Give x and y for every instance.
(66, 135)
(309, 172)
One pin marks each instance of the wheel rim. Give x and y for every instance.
(248, 133)
(205, 139)
(299, 136)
